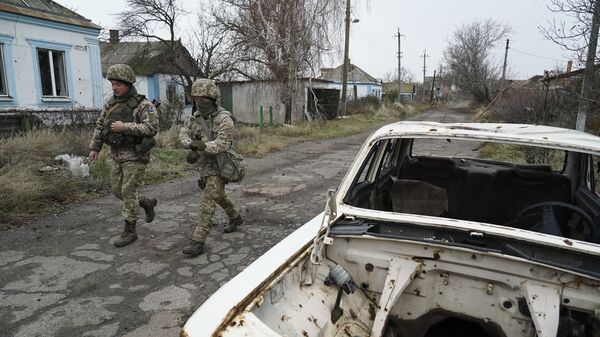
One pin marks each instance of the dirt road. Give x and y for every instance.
(61, 276)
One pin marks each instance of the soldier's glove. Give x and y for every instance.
(197, 145)
(201, 183)
(192, 157)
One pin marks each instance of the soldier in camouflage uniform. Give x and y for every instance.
(219, 123)
(127, 124)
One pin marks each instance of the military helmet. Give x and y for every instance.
(205, 87)
(120, 72)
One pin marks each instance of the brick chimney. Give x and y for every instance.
(114, 36)
(569, 66)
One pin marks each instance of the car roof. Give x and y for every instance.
(535, 135)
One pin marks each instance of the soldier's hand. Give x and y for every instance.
(192, 157)
(93, 155)
(117, 126)
(197, 145)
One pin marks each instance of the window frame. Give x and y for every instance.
(59, 47)
(8, 100)
(54, 62)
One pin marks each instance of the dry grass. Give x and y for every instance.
(26, 191)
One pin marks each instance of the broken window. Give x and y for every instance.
(593, 176)
(53, 76)
(3, 81)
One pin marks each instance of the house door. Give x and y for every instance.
(226, 98)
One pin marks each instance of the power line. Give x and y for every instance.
(526, 19)
(534, 55)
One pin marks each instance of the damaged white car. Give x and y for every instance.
(471, 229)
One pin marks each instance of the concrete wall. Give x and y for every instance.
(248, 97)
(21, 36)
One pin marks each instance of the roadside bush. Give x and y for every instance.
(536, 106)
(363, 105)
(170, 112)
(168, 137)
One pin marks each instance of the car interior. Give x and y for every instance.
(543, 197)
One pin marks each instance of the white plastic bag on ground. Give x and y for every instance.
(75, 164)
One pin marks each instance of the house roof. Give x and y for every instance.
(304, 79)
(404, 87)
(46, 10)
(355, 74)
(147, 58)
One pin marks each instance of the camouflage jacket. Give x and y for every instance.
(145, 123)
(221, 125)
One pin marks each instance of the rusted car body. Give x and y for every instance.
(437, 229)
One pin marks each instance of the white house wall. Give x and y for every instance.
(152, 86)
(142, 85)
(21, 35)
(362, 89)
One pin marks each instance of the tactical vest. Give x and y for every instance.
(122, 111)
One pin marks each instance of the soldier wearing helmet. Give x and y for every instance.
(208, 132)
(128, 124)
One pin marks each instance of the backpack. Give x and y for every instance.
(231, 165)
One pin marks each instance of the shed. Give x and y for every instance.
(314, 98)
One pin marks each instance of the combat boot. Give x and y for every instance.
(233, 223)
(195, 248)
(128, 236)
(148, 205)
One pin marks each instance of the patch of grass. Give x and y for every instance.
(27, 192)
(519, 154)
(166, 164)
(256, 141)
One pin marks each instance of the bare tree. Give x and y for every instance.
(143, 18)
(279, 39)
(572, 35)
(212, 47)
(146, 18)
(392, 76)
(468, 60)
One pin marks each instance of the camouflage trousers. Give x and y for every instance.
(125, 179)
(214, 193)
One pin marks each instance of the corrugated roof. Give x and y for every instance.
(145, 58)
(46, 10)
(355, 74)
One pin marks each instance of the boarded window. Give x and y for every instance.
(53, 76)
(3, 81)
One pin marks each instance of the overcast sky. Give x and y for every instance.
(424, 24)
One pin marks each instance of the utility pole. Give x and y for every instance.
(345, 67)
(587, 88)
(432, 87)
(424, 69)
(399, 64)
(504, 66)
(424, 64)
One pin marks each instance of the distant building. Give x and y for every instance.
(408, 91)
(360, 83)
(156, 64)
(49, 64)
